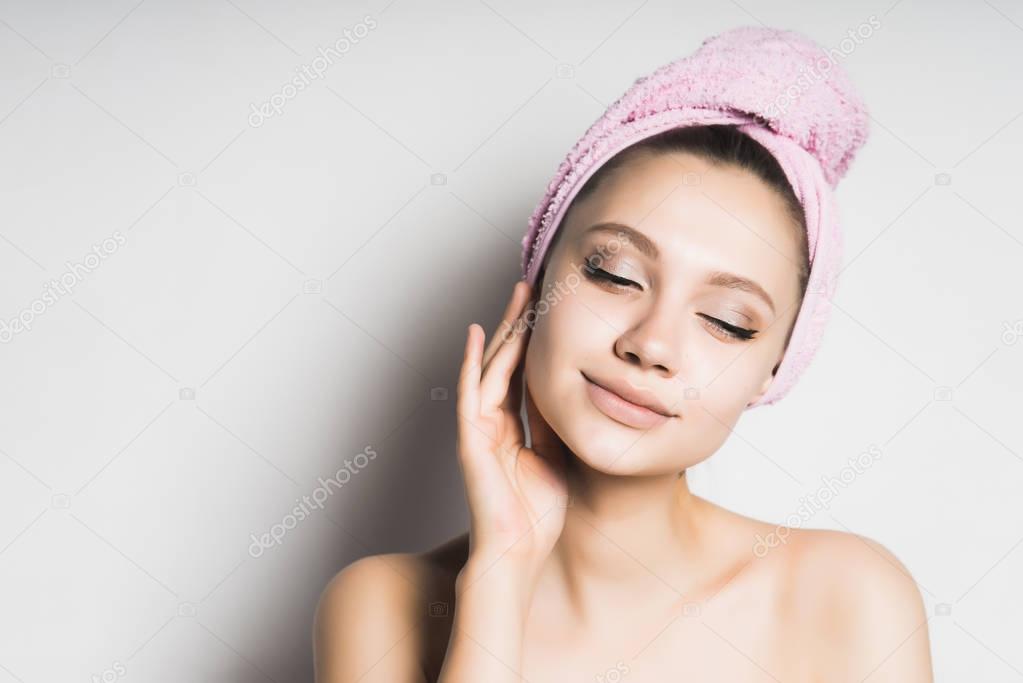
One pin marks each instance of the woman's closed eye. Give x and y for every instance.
(732, 331)
(600, 274)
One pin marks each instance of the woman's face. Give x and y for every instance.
(697, 243)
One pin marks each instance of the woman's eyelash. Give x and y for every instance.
(601, 274)
(731, 330)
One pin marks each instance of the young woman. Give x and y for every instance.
(663, 308)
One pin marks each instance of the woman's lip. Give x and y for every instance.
(621, 410)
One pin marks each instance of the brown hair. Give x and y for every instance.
(718, 144)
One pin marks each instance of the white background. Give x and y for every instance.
(310, 284)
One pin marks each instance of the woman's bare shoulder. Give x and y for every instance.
(383, 617)
(848, 594)
(858, 600)
(820, 562)
(846, 568)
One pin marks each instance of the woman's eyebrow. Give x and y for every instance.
(633, 236)
(647, 246)
(720, 278)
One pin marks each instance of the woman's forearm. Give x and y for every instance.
(491, 605)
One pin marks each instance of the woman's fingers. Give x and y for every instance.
(480, 472)
(468, 400)
(496, 378)
(518, 299)
(470, 431)
(483, 384)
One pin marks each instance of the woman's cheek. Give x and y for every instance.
(540, 363)
(580, 320)
(723, 400)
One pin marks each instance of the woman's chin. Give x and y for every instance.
(599, 441)
(609, 447)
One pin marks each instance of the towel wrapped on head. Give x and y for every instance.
(784, 91)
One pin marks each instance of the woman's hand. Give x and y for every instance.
(517, 495)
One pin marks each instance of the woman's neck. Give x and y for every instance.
(626, 539)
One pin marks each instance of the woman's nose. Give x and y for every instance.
(654, 342)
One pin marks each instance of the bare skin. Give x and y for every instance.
(587, 557)
(796, 620)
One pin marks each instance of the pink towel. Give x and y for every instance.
(780, 88)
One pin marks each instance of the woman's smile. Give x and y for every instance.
(628, 411)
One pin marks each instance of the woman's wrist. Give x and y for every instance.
(509, 576)
(492, 600)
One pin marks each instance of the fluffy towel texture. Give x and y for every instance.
(778, 87)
